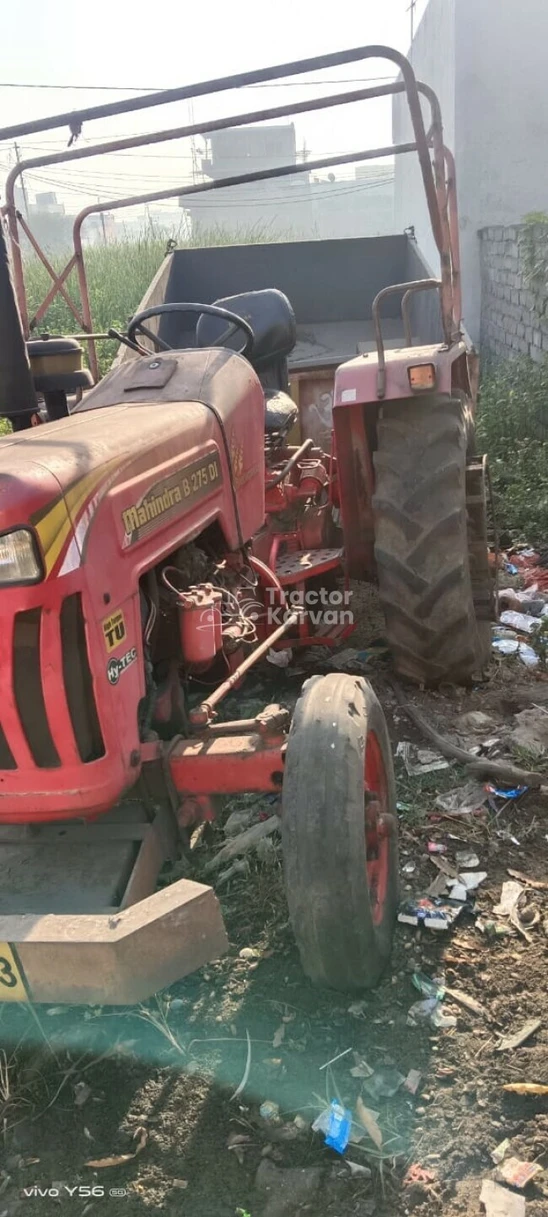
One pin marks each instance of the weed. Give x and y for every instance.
(530, 759)
(539, 641)
(513, 429)
(118, 276)
(418, 794)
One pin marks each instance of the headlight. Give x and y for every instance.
(19, 559)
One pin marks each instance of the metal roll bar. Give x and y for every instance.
(438, 174)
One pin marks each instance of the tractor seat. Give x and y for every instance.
(281, 412)
(271, 318)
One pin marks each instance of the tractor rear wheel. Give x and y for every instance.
(426, 580)
(339, 833)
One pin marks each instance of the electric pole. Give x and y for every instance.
(411, 11)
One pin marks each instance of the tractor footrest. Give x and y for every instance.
(304, 563)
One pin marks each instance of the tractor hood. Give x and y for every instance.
(139, 439)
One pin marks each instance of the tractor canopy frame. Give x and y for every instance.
(436, 163)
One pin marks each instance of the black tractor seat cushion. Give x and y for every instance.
(271, 318)
(281, 411)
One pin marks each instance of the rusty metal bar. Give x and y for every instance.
(216, 184)
(202, 714)
(57, 279)
(406, 288)
(55, 158)
(451, 187)
(87, 323)
(290, 464)
(204, 128)
(450, 321)
(74, 118)
(17, 267)
(56, 287)
(436, 188)
(425, 285)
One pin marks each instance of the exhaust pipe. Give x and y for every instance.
(17, 393)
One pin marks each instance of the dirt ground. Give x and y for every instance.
(171, 1067)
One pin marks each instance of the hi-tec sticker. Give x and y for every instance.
(117, 667)
(170, 496)
(114, 630)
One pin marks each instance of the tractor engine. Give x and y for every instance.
(201, 612)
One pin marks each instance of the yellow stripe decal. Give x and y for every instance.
(56, 525)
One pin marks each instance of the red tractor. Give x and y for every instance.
(155, 543)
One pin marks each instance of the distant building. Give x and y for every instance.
(46, 203)
(302, 206)
(358, 207)
(282, 204)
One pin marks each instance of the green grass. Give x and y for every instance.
(118, 276)
(513, 430)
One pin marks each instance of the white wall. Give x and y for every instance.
(433, 58)
(487, 60)
(502, 128)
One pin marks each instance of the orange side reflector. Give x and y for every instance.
(422, 376)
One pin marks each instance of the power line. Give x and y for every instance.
(336, 190)
(277, 84)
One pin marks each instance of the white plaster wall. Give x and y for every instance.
(502, 124)
(488, 61)
(433, 57)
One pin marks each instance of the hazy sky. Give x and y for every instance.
(149, 46)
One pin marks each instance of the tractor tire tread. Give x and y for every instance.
(323, 833)
(421, 541)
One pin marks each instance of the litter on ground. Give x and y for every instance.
(499, 1202)
(463, 800)
(419, 761)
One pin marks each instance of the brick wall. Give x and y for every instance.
(511, 319)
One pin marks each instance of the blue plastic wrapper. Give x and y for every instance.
(338, 1131)
(516, 793)
(511, 569)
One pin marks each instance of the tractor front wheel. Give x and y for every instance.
(339, 832)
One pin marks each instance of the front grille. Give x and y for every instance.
(27, 688)
(78, 682)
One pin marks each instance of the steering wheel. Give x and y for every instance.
(234, 323)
